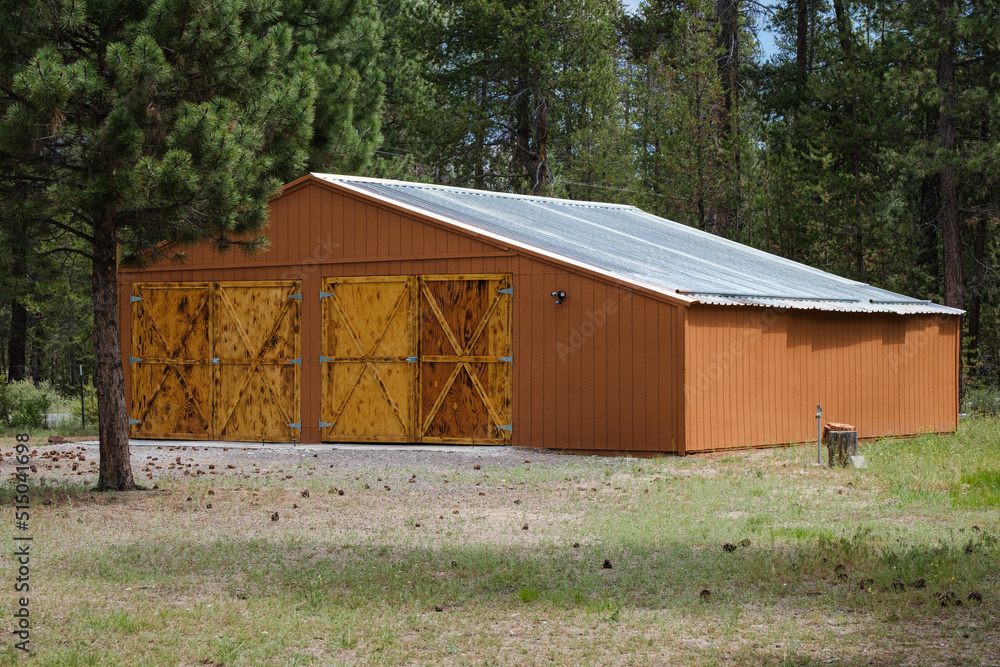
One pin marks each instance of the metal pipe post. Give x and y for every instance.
(819, 434)
(83, 414)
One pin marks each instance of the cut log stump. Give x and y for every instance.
(841, 446)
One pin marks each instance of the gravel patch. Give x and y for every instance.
(153, 459)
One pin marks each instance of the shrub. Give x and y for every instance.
(89, 404)
(983, 401)
(25, 404)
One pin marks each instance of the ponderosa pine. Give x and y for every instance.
(132, 123)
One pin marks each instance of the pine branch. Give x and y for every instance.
(55, 251)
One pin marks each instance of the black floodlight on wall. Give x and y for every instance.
(559, 296)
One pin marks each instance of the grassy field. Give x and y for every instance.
(533, 558)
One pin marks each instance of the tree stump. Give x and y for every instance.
(841, 446)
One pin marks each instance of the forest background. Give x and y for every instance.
(863, 142)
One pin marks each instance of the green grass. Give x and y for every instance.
(65, 429)
(977, 489)
(821, 565)
(528, 594)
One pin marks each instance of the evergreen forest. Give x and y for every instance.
(856, 136)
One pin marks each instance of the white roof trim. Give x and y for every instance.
(473, 191)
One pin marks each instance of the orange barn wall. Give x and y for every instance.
(600, 372)
(755, 375)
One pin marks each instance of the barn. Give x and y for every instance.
(398, 312)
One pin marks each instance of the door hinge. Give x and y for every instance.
(133, 299)
(412, 360)
(215, 360)
(323, 295)
(134, 360)
(506, 290)
(294, 361)
(323, 359)
(297, 297)
(323, 424)
(133, 422)
(295, 425)
(509, 359)
(506, 427)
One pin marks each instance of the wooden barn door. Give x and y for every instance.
(368, 359)
(416, 359)
(171, 361)
(215, 361)
(257, 362)
(465, 359)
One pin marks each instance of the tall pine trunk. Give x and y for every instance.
(951, 234)
(843, 21)
(531, 136)
(802, 46)
(728, 12)
(17, 357)
(112, 414)
(974, 316)
(17, 344)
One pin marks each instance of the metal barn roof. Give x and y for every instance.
(629, 244)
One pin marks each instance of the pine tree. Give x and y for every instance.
(948, 52)
(832, 119)
(132, 123)
(688, 134)
(880, 152)
(948, 70)
(503, 86)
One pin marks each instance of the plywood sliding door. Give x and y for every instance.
(216, 360)
(368, 360)
(417, 359)
(170, 361)
(465, 359)
(257, 360)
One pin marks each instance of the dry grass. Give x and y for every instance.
(161, 578)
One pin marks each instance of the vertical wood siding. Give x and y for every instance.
(579, 382)
(611, 370)
(754, 375)
(600, 372)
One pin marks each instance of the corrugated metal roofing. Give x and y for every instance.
(631, 245)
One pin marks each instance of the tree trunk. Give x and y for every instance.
(951, 233)
(928, 237)
(531, 136)
(480, 134)
(17, 344)
(844, 32)
(522, 135)
(36, 352)
(802, 45)
(728, 60)
(16, 348)
(541, 166)
(974, 316)
(728, 12)
(112, 414)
